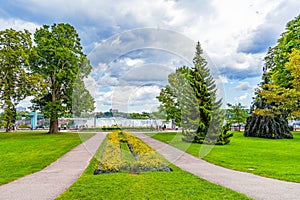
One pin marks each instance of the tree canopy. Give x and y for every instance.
(58, 58)
(15, 82)
(237, 114)
(277, 99)
(282, 90)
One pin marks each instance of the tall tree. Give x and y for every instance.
(190, 99)
(263, 122)
(59, 59)
(285, 99)
(290, 39)
(271, 110)
(15, 83)
(237, 114)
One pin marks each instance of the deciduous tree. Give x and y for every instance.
(15, 82)
(237, 114)
(59, 59)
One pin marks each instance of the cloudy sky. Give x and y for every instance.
(134, 45)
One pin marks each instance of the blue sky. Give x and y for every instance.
(134, 46)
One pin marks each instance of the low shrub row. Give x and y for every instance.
(139, 157)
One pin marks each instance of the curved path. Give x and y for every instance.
(254, 186)
(57, 177)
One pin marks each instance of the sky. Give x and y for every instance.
(134, 45)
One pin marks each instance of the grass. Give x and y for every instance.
(266, 157)
(152, 185)
(24, 153)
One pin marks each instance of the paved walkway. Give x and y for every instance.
(57, 177)
(254, 186)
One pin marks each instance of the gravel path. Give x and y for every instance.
(254, 186)
(57, 177)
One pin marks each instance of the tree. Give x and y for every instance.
(289, 40)
(271, 107)
(281, 80)
(285, 99)
(262, 122)
(169, 105)
(15, 83)
(190, 99)
(237, 114)
(59, 59)
(82, 101)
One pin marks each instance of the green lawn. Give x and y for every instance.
(278, 159)
(152, 185)
(23, 153)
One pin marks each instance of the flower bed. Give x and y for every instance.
(143, 158)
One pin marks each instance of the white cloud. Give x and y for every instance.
(18, 24)
(233, 33)
(132, 62)
(267, 33)
(241, 98)
(243, 86)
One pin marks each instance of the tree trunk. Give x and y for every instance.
(53, 120)
(53, 126)
(7, 127)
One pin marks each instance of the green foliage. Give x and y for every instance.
(236, 114)
(190, 99)
(278, 98)
(289, 40)
(143, 115)
(59, 59)
(82, 101)
(285, 99)
(169, 105)
(281, 90)
(15, 83)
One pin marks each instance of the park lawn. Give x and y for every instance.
(266, 157)
(24, 153)
(151, 185)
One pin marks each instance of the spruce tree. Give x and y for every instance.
(211, 117)
(192, 92)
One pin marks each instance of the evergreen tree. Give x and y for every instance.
(191, 97)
